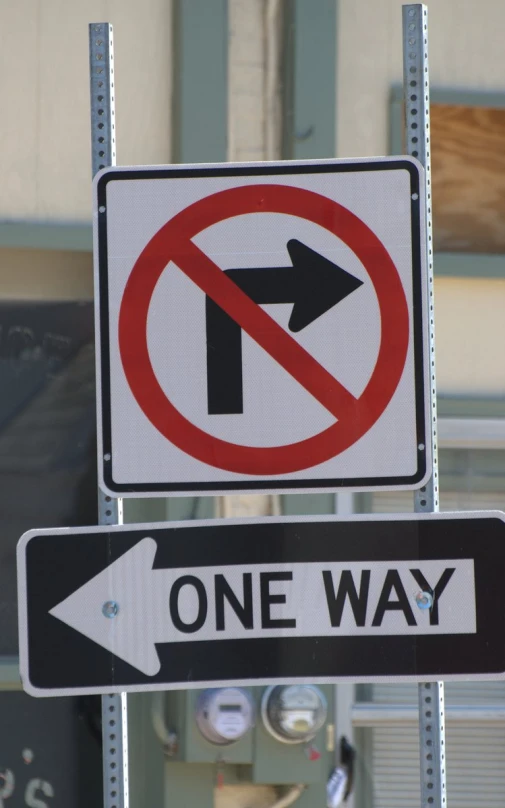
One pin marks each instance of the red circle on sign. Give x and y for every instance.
(172, 243)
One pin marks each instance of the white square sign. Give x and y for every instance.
(261, 327)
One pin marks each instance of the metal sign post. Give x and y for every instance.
(110, 511)
(417, 144)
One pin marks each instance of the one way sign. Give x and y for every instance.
(147, 607)
(261, 327)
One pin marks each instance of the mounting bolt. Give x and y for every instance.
(110, 608)
(424, 600)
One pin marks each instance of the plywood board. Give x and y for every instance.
(468, 167)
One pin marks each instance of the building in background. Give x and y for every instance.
(216, 80)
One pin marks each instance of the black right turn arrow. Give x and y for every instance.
(313, 284)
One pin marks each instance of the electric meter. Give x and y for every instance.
(224, 714)
(293, 713)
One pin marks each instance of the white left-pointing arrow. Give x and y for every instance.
(129, 607)
(128, 582)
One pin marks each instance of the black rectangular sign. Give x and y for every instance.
(147, 607)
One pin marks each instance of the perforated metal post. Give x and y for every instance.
(417, 141)
(101, 66)
(110, 511)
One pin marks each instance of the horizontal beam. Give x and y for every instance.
(40, 235)
(368, 714)
(493, 99)
(469, 265)
(470, 407)
(471, 433)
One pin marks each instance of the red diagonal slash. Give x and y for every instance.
(264, 330)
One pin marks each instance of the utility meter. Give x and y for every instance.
(293, 713)
(224, 714)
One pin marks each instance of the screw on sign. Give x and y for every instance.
(233, 306)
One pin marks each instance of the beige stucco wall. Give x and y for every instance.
(44, 91)
(254, 79)
(465, 52)
(246, 71)
(470, 335)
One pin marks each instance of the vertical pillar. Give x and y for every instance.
(417, 143)
(103, 153)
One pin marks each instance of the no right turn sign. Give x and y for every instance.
(262, 327)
